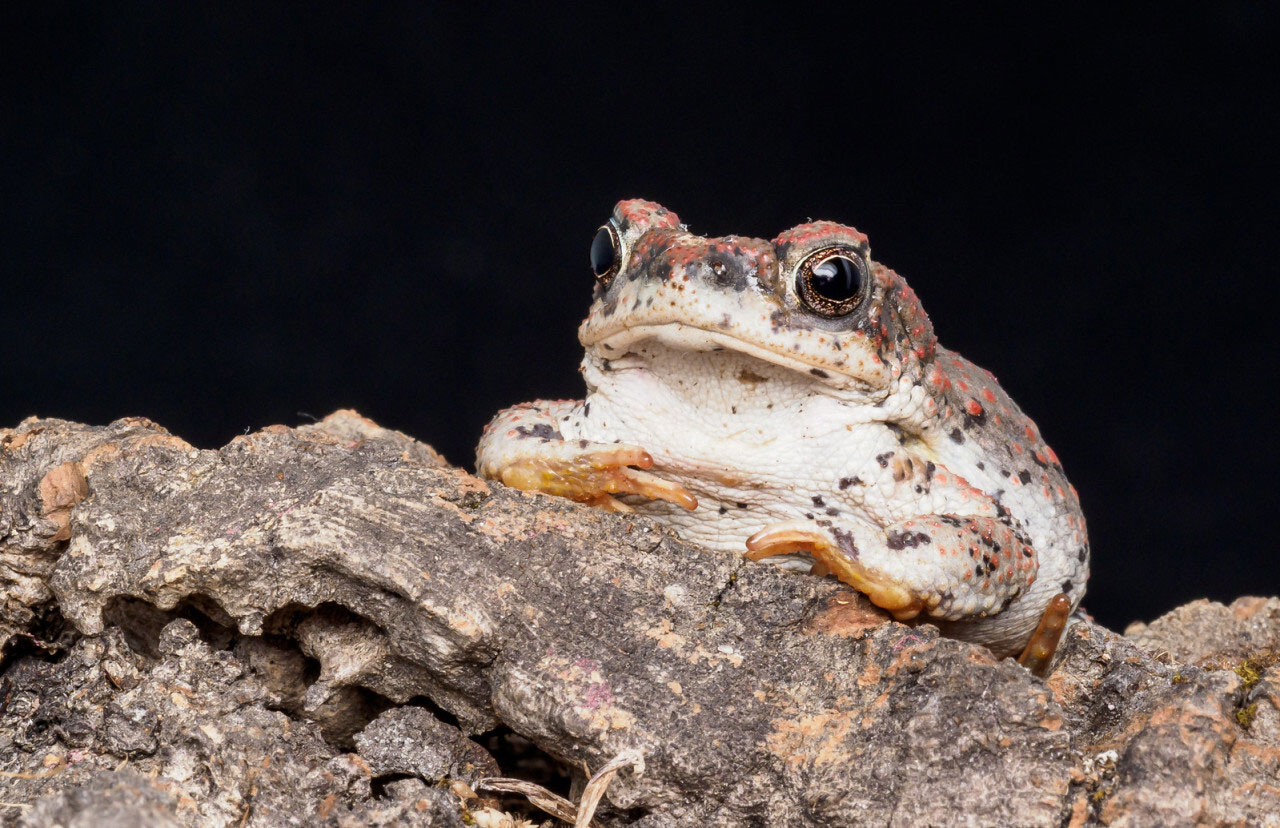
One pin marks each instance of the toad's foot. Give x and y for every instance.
(947, 567)
(524, 448)
(795, 536)
(1044, 641)
(593, 474)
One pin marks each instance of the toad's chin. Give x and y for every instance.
(678, 336)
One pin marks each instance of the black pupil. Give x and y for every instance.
(837, 279)
(602, 252)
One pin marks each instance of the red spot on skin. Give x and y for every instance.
(1053, 457)
(973, 407)
(1031, 433)
(962, 385)
(987, 395)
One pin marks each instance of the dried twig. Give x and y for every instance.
(559, 807)
(596, 786)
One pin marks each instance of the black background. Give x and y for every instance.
(223, 217)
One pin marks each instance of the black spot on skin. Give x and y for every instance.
(734, 409)
(740, 505)
(606, 365)
(844, 540)
(582, 444)
(818, 372)
(1081, 554)
(809, 515)
(817, 500)
(975, 420)
(725, 273)
(1024, 476)
(541, 430)
(982, 466)
(586, 410)
(833, 512)
(1066, 585)
(949, 520)
(919, 489)
(846, 482)
(929, 469)
(1027, 553)
(883, 459)
(722, 510)
(987, 542)
(956, 436)
(1035, 459)
(905, 540)
(977, 570)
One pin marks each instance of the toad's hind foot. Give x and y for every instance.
(795, 536)
(1038, 654)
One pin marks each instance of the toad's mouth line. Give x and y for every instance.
(684, 337)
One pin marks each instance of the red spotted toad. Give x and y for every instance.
(790, 397)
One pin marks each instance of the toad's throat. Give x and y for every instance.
(683, 337)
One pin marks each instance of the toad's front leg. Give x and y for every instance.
(524, 448)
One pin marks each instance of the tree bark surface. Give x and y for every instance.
(328, 625)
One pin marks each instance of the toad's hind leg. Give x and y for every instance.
(943, 566)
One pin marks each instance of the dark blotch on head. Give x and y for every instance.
(846, 482)
(956, 436)
(1067, 585)
(1024, 476)
(817, 500)
(818, 372)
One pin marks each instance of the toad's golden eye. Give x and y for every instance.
(832, 281)
(606, 254)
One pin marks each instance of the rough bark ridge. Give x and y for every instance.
(306, 626)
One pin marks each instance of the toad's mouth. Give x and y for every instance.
(684, 337)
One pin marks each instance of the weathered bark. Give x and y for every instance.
(755, 696)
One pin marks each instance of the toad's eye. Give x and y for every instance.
(606, 254)
(831, 281)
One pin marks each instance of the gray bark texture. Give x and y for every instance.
(329, 626)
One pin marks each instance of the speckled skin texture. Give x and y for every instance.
(723, 405)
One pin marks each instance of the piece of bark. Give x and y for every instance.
(755, 696)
